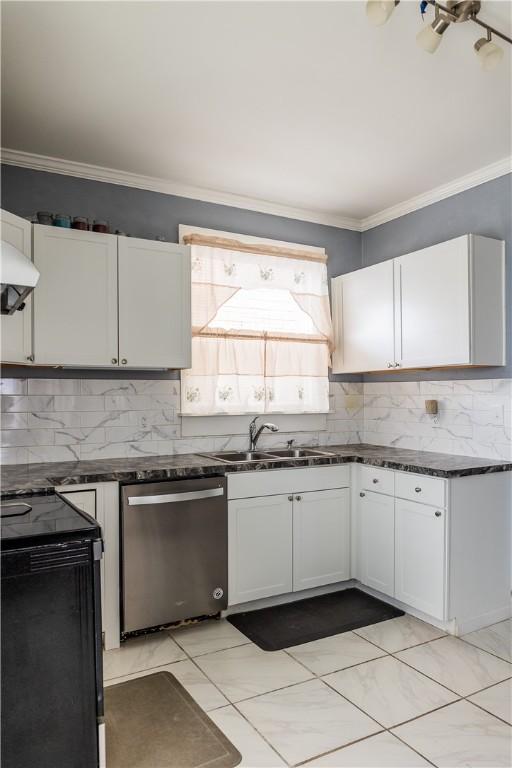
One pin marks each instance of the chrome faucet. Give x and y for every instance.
(254, 433)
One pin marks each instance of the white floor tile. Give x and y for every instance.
(496, 639)
(306, 720)
(208, 636)
(255, 751)
(191, 678)
(496, 700)
(389, 691)
(141, 653)
(461, 667)
(400, 633)
(460, 735)
(381, 751)
(248, 671)
(337, 652)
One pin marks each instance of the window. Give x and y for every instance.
(261, 329)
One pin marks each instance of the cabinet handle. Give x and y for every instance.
(390, 365)
(375, 480)
(418, 489)
(298, 498)
(397, 365)
(30, 358)
(290, 498)
(114, 361)
(124, 361)
(362, 494)
(438, 514)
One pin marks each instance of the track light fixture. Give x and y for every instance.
(429, 38)
(379, 11)
(489, 54)
(449, 12)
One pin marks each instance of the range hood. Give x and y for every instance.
(18, 277)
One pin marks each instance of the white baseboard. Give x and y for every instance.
(290, 597)
(484, 620)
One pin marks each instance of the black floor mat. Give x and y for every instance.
(283, 626)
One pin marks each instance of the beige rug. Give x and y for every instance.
(152, 722)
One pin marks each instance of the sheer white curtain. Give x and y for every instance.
(261, 331)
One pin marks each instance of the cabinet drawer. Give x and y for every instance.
(427, 490)
(244, 485)
(378, 480)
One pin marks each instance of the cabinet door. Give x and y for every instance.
(321, 538)
(432, 321)
(16, 329)
(377, 541)
(420, 569)
(363, 319)
(154, 304)
(75, 301)
(260, 548)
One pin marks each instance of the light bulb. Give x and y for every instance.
(379, 11)
(489, 54)
(430, 37)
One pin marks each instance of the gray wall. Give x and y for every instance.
(142, 213)
(483, 210)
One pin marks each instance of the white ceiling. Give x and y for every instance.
(297, 103)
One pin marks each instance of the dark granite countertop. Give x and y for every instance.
(20, 479)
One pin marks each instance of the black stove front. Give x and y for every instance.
(52, 692)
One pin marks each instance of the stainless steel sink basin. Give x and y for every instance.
(242, 456)
(239, 457)
(300, 453)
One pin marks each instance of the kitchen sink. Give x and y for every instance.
(249, 456)
(241, 456)
(300, 453)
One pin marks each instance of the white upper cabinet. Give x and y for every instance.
(75, 300)
(101, 301)
(154, 304)
(449, 309)
(16, 329)
(363, 319)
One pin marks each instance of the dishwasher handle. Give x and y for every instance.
(173, 498)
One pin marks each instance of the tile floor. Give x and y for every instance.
(398, 693)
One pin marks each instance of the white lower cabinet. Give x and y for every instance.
(292, 539)
(321, 538)
(101, 500)
(420, 554)
(421, 541)
(260, 548)
(376, 522)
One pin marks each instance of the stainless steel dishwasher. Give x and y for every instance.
(174, 552)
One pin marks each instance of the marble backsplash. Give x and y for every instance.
(475, 416)
(71, 419)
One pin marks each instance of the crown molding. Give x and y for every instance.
(167, 187)
(154, 184)
(487, 173)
